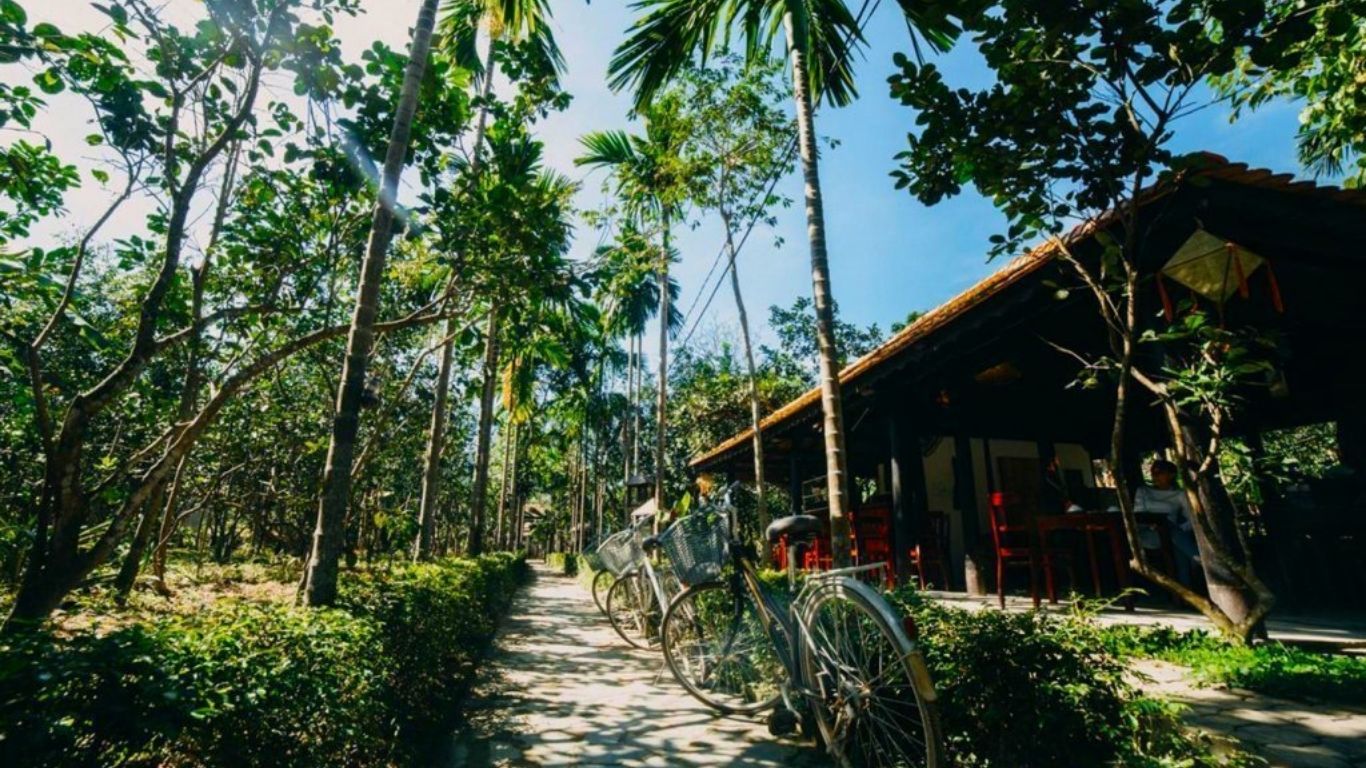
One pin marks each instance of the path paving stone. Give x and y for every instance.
(1288, 734)
(562, 689)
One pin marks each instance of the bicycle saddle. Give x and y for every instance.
(794, 527)
(650, 543)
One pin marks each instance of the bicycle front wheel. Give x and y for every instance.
(602, 581)
(633, 610)
(716, 647)
(873, 699)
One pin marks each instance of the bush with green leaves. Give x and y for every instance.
(253, 684)
(1022, 690)
(566, 563)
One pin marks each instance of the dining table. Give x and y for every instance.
(1108, 525)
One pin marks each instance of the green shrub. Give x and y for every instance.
(436, 619)
(1021, 690)
(566, 563)
(252, 684)
(1271, 668)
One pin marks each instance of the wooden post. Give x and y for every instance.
(910, 497)
(794, 482)
(965, 498)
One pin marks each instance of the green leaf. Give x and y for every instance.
(94, 139)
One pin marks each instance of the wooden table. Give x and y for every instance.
(1111, 525)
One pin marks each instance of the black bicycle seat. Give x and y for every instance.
(794, 527)
(650, 543)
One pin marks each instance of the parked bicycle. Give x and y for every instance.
(614, 555)
(836, 659)
(638, 597)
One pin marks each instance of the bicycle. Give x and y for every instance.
(638, 597)
(837, 660)
(614, 554)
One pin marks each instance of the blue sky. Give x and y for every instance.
(888, 254)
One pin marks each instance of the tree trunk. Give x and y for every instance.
(478, 500)
(831, 406)
(662, 388)
(132, 561)
(509, 437)
(321, 581)
(436, 435)
(755, 415)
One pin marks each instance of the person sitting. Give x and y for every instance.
(1165, 498)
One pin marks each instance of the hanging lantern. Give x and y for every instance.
(1215, 268)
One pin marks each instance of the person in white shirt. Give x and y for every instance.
(1164, 497)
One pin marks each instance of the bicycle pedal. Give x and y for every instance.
(782, 722)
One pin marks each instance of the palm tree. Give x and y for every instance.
(651, 180)
(819, 38)
(629, 289)
(461, 22)
(320, 586)
(527, 218)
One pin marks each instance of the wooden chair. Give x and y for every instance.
(932, 548)
(1016, 542)
(872, 529)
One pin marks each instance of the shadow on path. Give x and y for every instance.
(562, 689)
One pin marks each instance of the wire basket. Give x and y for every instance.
(696, 546)
(621, 552)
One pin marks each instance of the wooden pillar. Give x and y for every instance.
(965, 498)
(910, 497)
(794, 482)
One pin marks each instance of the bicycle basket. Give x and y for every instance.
(621, 552)
(696, 546)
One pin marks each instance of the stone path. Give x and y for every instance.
(1287, 734)
(562, 689)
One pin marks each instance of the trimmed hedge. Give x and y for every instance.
(251, 684)
(566, 563)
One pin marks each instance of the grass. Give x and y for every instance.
(1272, 668)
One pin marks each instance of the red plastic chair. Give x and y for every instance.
(932, 549)
(1015, 541)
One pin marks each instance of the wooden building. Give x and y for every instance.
(975, 398)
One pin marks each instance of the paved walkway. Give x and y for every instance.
(1287, 734)
(563, 689)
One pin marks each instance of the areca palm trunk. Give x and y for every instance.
(754, 409)
(831, 406)
(661, 415)
(320, 586)
(481, 445)
(436, 435)
(508, 439)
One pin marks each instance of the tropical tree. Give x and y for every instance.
(320, 585)
(629, 293)
(503, 22)
(738, 141)
(1122, 77)
(819, 39)
(651, 179)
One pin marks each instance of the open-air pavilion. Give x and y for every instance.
(956, 419)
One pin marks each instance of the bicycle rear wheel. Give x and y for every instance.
(633, 610)
(716, 647)
(602, 581)
(874, 702)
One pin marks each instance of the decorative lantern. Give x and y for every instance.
(1214, 268)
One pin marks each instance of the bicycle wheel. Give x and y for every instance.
(716, 647)
(632, 611)
(874, 702)
(602, 581)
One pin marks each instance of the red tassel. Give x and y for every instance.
(1166, 300)
(1238, 267)
(1276, 300)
